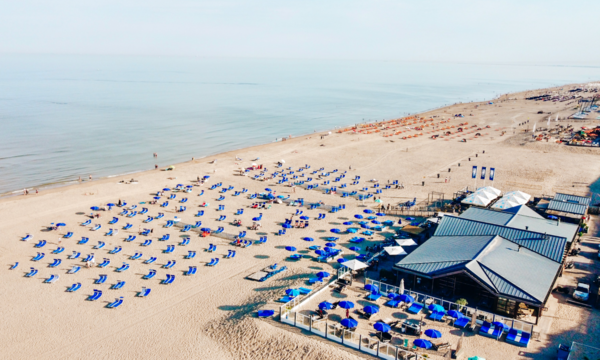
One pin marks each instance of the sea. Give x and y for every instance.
(66, 116)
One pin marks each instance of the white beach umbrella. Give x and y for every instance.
(406, 242)
(354, 265)
(282, 161)
(394, 250)
(401, 287)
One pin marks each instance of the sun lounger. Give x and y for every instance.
(160, 216)
(184, 200)
(32, 272)
(144, 211)
(104, 263)
(415, 308)
(89, 257)
(123, 267)
(150, 261)
(230, 254)
(491, 331)
(40, 244)
(38, 257)
(100, 245)
(146, 232)
(518, 337)
(118, 285)
(124, 212)
(52, 279)
(74, 287)
(185, 241)
(168, 280)
(145, 292)
(437, 315)
(135, 256)
(373, 296)
(150, 275)
(165, 237)
(58, 250)
(87, 222)
(74, 269)
(462, 322)
(68, 235)
(101, 279)
(148, 219)
(191, 254)
(191, 271)
(116, 250)
(165, 204)
(115, 304)
(169, 249)
(197, 224)
(55, 263)
(146, 243)
(74, 255)
(83, 241)
(130, 238)
(14, 266)
(132, 214)
(95, 296)
(213, 262)
(169, 264)
(27, 238)
(186, 228)
(96, 227)
(113, 221)
(212, 248)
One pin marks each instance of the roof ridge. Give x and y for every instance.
(486, 269)
(506, 226)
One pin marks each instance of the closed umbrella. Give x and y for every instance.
(323, 274)
(95, 208)
(422, 343)
(292, 292)
(349, 323)
(290, 248)
(474, 320)
(371, 309)
(346, 304)
(156, 197)
(460, 343)
(166, 189)
(304, 218)
(401, 287)
(325, 305)
(383, 327)
(432, 333)
(61, 224)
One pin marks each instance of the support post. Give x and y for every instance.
(310, 323)
(295, 316)
(359, 341)
(326, 328)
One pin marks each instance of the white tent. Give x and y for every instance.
(512, 199)
(490, 189)
(406, 242)
(477, 199)
(354, 264)
(394, 250)
(519, 195)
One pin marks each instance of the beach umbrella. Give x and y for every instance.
(303, 217)
(378, 201)
(320, 252)
(365, 226)
(392, 295)
(422, 343)
(355, 265)
(166, 189)
(308, 239)
(406, 298)
(363, 222)
(265, 313)
(292, 292)
(455, 314)
(406, 242)
(332, 238)
(335, 231)
(330, 244)
(371, 287)
(290, 248)
(325, 305)
(268, 189)
(323, 274)
(410, 218)
(432, 333)
(358, 216)
(371, 309)
(348, 223)
(394, 250)
(376, 222)
(156, 197)
(355, 248)
(383, 327)
(327, 249)
(368, 211)
(61, 224)
(367, 232)
(436, 307)
(380, 214)
(372, 218)
(346, 304)
(401, 287)
(352, 230)
(95, 208)
(474, 320)
(341, 260)
(476, 357)
(388, 223)
(460, 343)
(500, 325)
(110, 204)
(349, 323)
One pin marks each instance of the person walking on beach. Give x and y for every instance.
(90, 177)
(347, 313)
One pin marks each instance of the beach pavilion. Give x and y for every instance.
(569, 206)
(500, 261)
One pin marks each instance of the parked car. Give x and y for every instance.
(582, 293)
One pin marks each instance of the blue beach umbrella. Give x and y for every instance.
(349, 323)
(422, 343)
(303, 217)
(376, 222)
(330, 244)
(367, 211)
(61, 224)
(308, 239)
(335, 231)
(367, 232)
(291, 248)
(392, 295)
(292, 292)
(341, 260)
(406, 298)
(388, 223)
(327, 249)
(95, 208)
(383, 327)
(380, 214)
(358, 216)
(110, 204)
(332, 238)
(371, 287)
(265, 313)
(346, 304)
(205, 229)
(323, 274)
(372, 218)
(363, 222)
(432, 333)
(455, 314)
(355, 248)
(436, 307)
(352, 230)
(166, 189)
(325, 305)
(268, 189)
(347, 222)
(158, 197)
(320, 252)
(371, 309)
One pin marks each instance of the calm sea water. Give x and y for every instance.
(63, 117)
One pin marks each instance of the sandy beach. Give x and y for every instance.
(211, 315)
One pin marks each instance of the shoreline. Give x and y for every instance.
(75, 182)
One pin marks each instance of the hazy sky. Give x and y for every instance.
(458, 30)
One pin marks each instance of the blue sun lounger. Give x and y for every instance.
(87, 222)
(74, 255)
(191, 271)
(74, 287)
(169, 223)
(55, 263)
(145, 292)
(186, 228)
(58, 250)
(190, 255)
(239, 212)
(113, 221)
(100, 245)
(165, 204)
(74, 269)
(462, 322)
(169, 249)
(219, 230)
(115, 304)
(38, 257)
(437, 315)
(116, 250)
(40, 244)
(198, 224)
(518, 337)
(132, 214)
(221, 218)
(150, 261)
(127, 226)
(32, 272)
(230, 254)
(150, 275)
(148, 219)
(374, 296)
(124, 212)
(52, 279)
(27, 238)
(136, 256)
(165, 237)
(491, 331)
(68, 235)
(123, 267)
(146, 232)
(212, 248)
(90, 257)
(168, 280)
(83, 241)
(101, 279)
(213, 262)
(95, 296)
(14, 266)
(130, 238)
(118, 285)
(169, 264)
(200, 213)
(415, 308)
(185, 241)
(146, 243)
(104, 263)
(97, 227)
(160, 216)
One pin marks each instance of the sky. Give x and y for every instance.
(517, 31)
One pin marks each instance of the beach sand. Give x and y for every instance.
(212, 315)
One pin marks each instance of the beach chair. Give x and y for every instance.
(150, 261)
(100, 245)
(239, 212)
(144, 211)
(124, 212)
(14, 266)
(150, 275)
(87, 222)
(491, 331)
(74, 255)
(262, 240)
(213, 262)
(127, 226)
(165, 204)
(40, 244)
(117, 285)
(168, 280)
(95, 296)
(115, 304)
(212, 248)
(113, 221)
(219, 230)
(146, 243)
(132, 214)
(38, 257)
(415, 308)
(172, 196)
(190, 255)
(169, 249)
(101, 279)
(160, 216)
(135, 256)
(437, 315)
(374, 296)
(518, 337)
(58, 250)
(146, 232)
(169, 264)
(197, 224)
(230, 254)
(123, 267)
(462, 322)
(191, 271)
(130, 238)
(104, 263)
(185, 241)
(52, 279)
(74, 287)
(165, 237)
(186, 228)
(68, 235)
(74, 269)
(55, 263)
(145, 292)
(96, 227)
(89, 257)
(221, 218)
(148, 219)
(200, 213)
(116, 250)
(83, 241)
(32, 272)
